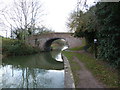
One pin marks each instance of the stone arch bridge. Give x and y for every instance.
(44, 41)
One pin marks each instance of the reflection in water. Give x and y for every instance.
(35, 71)
(64, 47)
(57, 54)
(32, 78)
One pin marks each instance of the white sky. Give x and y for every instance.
(57, 12)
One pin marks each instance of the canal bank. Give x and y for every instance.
(47, 67)
(91, 73)
(68, 80)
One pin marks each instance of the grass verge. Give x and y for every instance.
(80, 47)
(102, 71)
(74, 66)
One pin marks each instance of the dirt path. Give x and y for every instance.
(86, 79)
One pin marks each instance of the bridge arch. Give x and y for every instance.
(45, 40)
(47, 45)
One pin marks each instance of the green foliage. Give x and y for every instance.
(21, 33)
(60, 42)
(101, 70)
(16, 47)
(82, 24)
(101, 22)
(108, 15)
(43, 30)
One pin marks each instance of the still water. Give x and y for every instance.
(44, 70)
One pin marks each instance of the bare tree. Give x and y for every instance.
(23, 16)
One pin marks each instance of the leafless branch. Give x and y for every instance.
(23, 14)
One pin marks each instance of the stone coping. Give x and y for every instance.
(69, 80)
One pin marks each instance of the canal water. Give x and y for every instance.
(44, 70)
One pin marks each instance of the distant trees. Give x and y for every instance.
(101, 22)
(84, 24)
(42, 30)
(23, 17)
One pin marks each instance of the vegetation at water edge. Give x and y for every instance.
(15, 47)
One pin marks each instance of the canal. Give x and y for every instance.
(43, 70)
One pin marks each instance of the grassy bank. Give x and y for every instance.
(12, 47)
(101, 70)
(74, 66)
(80, 47)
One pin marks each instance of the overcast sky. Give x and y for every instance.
(57, 13)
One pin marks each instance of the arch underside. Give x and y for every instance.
(47, 45)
